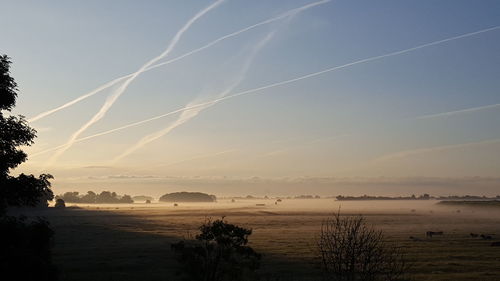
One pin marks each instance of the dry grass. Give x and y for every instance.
(134, 244)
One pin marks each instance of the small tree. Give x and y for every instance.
(60, 203)
(219, 253)
(350, 250)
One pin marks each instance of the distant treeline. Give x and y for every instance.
(413, 197)
(105, 197)
(368, 197)
(472, 203)
(467, 197)
(188, 197)
(278, 197)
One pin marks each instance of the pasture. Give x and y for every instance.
(132, 241)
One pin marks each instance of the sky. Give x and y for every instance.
(405, 105)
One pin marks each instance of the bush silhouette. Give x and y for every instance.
(350, 250)
(218, 253)
(60, 203)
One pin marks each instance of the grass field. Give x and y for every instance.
(132, 242)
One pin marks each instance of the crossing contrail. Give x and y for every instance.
(272, 86)
(208, 45)
(467, 110)
(116, 94)
(190, 113)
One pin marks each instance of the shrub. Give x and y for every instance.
(218, 253)
(351, 250)
(60, 203)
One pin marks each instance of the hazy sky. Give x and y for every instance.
(429, 112)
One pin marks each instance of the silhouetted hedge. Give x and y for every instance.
(188, 197)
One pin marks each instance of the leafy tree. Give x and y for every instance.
(24, 190)
(25, 245)
(90, 197)
(218, 253)
(126, 199)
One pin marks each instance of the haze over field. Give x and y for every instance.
(261, 97)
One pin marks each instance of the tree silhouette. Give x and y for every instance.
(350, 250)
(219, 253)
(24, 190)
(25, 244)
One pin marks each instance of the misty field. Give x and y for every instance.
(132, 241)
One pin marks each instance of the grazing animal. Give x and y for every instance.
(415, 238)
(495, 244)
(486, 237)
(432, 233)
(474, 235)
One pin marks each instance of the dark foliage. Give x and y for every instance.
(8, 87)
(14, 132)
(25, 249)
(187, 197)
(350, 250)
(24, 245)
(60, 203)
(105, 197)
(218, 253)
(27, 190)
(24, 190)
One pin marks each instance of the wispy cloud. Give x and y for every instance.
(190, 113)
(206, 46)
(116, 94)
(259, 89)
(412, 152)
(456, 112)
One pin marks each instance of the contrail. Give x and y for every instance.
(407, 153)
(112, 98)
(113, 82)
(450, 113)
(70, 103)
(190, 113)
(186, 115)
(271, 86)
